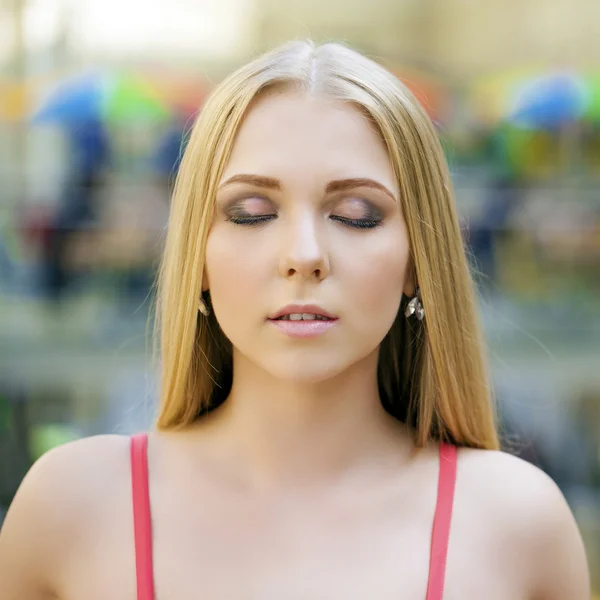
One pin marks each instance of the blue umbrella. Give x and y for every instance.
(73, 101)
(549, 102)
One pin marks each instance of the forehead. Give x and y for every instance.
(288, 132)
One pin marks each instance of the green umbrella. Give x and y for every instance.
(130, 99)
(592, 111)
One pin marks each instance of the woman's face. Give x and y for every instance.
(307, 214)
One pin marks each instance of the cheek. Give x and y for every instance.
(234, 268)
(379, 272)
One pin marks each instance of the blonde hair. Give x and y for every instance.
(432, 374)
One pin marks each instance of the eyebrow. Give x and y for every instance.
(341, 185)
(337, 185)
(257, 180)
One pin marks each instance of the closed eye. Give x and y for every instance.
(250, 220)
(357, 223)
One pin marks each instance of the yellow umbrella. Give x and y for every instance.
(14, 100)
(17, 98)
(488, 97)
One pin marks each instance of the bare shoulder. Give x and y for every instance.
(73, 477)
(63, 493)
(511, 489)
(506, 481)
(526, 512)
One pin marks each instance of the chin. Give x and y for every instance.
(311, 368)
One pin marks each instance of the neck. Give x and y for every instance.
(303, 432)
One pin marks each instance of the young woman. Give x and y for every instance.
(325, 428)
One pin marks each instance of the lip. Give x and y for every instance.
(303, 329)
(309, 309)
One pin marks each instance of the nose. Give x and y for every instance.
(303, 251)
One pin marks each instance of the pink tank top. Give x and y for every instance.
(143, 523)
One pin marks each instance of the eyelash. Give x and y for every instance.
(249, 221)
(357, 223)
(262, 219)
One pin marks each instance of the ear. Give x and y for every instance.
(205, 284)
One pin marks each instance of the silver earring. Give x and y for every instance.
(202, 308)
(415, 307)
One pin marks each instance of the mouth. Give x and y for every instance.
(303, 321)
(299, 312)
(302, 317)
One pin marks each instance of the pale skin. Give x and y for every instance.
(300, 486)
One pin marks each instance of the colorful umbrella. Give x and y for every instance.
(528, 99)
(592, 110)
(14, 100)
(431, 93)
(184, 92)
(489, 98)
(548, 102)
(94, 96)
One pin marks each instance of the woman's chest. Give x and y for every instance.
(297, 560)
(252, 557)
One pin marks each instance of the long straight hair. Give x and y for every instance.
(432, 374)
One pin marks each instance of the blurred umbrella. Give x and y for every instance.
(101, 96)
(548, 102)
(134, 99)
(183, 92)
(488, 98)
(528, 99)
(431, 94)
(71, 101)
(14, 100)
(592, 111)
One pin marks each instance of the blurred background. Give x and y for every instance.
(95, 99)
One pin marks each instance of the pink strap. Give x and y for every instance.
(441, 522)
(142, 521)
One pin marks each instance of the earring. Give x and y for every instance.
(202, 308)
(415, 307)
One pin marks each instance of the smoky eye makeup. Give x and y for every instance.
(357, 208)
(251, 205)
(353, 212)
(357, 213)
(249, 210)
